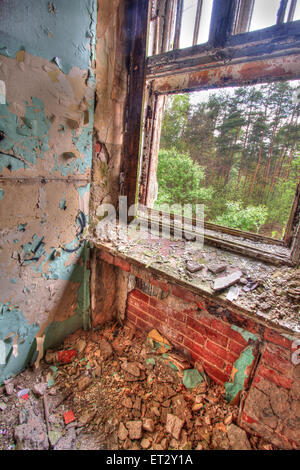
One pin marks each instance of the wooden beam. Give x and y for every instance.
(292, 10)
(222, 19)
(137, 14)
(178, 23)
(281, 11)
(234, 74)
(197, 21)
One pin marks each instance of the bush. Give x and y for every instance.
(248, 219)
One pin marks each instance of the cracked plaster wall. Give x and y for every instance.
(111, 91)
(46, 123)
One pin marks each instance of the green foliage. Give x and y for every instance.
(248, 219)
(238, 145)
(180, 180)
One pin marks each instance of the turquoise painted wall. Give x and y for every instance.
(46, 127)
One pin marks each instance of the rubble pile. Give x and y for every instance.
(115, 388)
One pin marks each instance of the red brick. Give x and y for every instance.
(137, 294)
(228, 331)
(200, 302)
(235, 348)
(226, 355)
(131, 316)
(195, 336)
(213, 359)
(208, 332)
(194, 348)
(216, 337)
(176, 325)
(195, 325)
(274, 337)
(203, 320)
(228, 369)
(137, 303)
(154, 322)
(274, 377)
(162, 285)
(183, 293)
(143, 325)
(107, 257)
(157, 314)
(121, 263)
(170, 333)
(215, 374)
(179, 316)
(253, 327)
(277, 362)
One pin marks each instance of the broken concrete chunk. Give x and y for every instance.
(81, 345)
(251, 285)
(9, 388)
(233, 293)
(33, 434)
(105, 348)
(83, 383)
(135, 429)
(174, 425)
(216, 268)
(265, 306)
(238, 438)
(193, 267)
(227, 281)
(87, 417)
(145, 443)
(127, 402)
(40, 389)
(148, 424)
(2, 406)
(122, 432)
(66, 442)
(131, 368)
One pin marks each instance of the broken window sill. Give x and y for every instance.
(263, 291)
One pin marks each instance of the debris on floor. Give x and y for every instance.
(121, 390)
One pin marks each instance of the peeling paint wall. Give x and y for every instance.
(47, 86)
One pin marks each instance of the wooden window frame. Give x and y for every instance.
(227, 59)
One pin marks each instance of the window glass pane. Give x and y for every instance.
(188, 23)
(264, 14)
(205, 21)
(237, 151)
(297, 12)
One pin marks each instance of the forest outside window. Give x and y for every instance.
(221, 122)
(235, 150)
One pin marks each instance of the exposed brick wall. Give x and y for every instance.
(191, 330)
(205, 330)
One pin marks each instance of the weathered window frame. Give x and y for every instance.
(227, 59)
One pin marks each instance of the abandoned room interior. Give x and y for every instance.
(150, 224)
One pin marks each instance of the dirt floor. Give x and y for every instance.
(118, 391)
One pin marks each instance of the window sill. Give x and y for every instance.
(269, 303)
